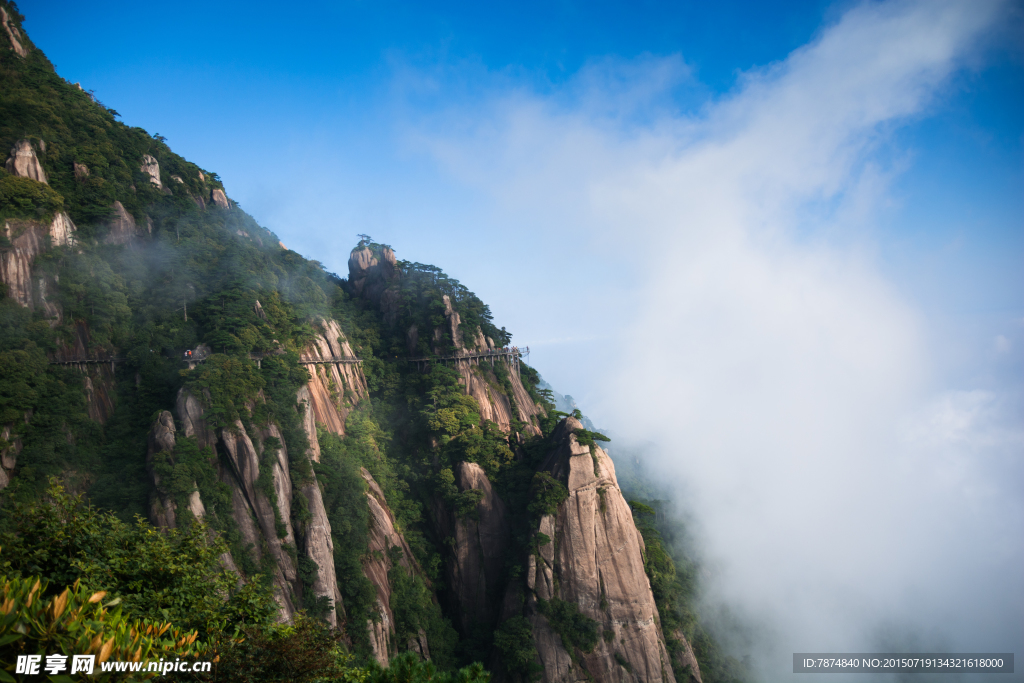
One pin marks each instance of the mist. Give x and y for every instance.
(719, 283)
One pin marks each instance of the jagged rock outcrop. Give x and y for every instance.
(371, 278)
(121, 224)
(24, 162)
(81, 171)
(151, 167)
(256, 515)
(218, 197)
(27, 240)
(476, 568)
(13, 34)
(316, 532)
(595, 561)
(264, 522)
(162, 508)
(480, 382)
(333, 388)
(193, 419)
(62, 231)
(377, 564)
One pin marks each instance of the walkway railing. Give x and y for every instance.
(512, 355)
(89, 361)
(332, 359)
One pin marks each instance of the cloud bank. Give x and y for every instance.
(849, 497)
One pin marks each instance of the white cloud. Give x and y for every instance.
(783, 377)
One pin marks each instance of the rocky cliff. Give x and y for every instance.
(24, 162)
(28, 239)
(261, 506)
(13, 34)
(477, 572)
(334, 387)
(386, 543)
(594, 560)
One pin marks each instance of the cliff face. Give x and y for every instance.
(13, 34)
(595, 561)
(480, 544)
(479, 379)
(263, 516)
(334, 388)
(24, 162)
(377, 563)
(162, 508)
(28, 240)
(121, 226)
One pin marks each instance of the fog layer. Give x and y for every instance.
(853, 492)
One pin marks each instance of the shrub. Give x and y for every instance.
(407, 668)
(414, 610)
(27, 198)
(173, 575)
(77, 621)
(576, 629)
(546, 494)
(300, 653)
(516, 649)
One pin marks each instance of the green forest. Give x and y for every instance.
(84, 568)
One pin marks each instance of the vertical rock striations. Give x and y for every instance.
(333, 388)
(377, 563)
(258, 517)
(261, 506)
(162, 507)
(594, 560)
(27, 240)
(315, 533)
(476, 568)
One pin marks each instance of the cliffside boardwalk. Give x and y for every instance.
(80, 363)
(511, 355)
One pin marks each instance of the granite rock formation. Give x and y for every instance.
(13, 34)
(24, 162)
(151, 167)
(595, 561)
(218, 197)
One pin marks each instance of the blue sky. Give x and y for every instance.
(780, 243)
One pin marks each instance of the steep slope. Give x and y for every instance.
(591, 556)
